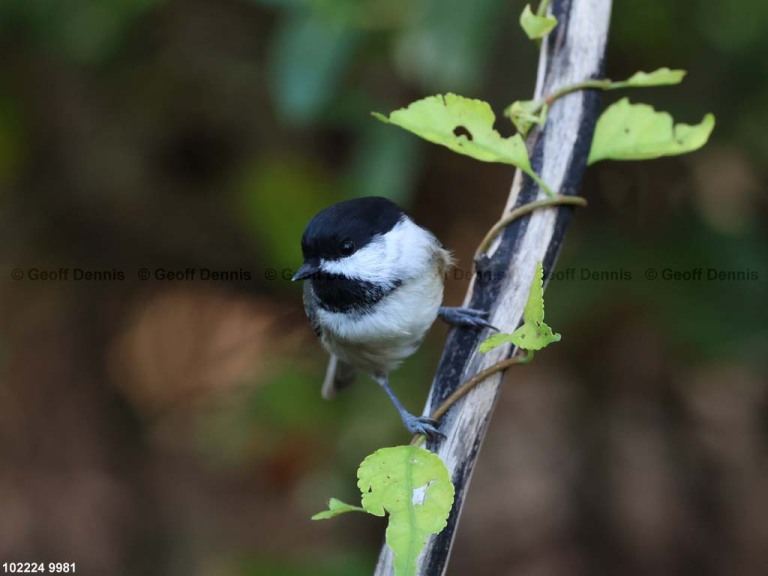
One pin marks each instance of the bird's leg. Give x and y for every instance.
(414, 424)
(464, 317)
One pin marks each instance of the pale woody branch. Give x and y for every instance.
(573, 52)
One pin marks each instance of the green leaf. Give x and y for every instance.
(637, 132)
(525, 113)
(464, 125)
(661, 77)
(336, 507)
(414, 486)
(534, 334)
(535, 26)
(494, 342)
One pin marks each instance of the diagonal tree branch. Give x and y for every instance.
(573, 52)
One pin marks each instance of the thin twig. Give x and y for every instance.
(522, 211)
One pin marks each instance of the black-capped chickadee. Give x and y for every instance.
(373, 287)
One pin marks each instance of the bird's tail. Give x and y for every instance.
(338, 376)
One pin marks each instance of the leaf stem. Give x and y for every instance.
(536, 178)
(496, 229)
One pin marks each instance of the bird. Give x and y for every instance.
(373, 286)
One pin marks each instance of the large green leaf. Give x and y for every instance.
(464, 125)
(637, 132)
(414, 487)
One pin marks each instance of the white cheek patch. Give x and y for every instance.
(368, 262)
(406, 251)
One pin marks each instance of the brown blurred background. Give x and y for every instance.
(175, 427)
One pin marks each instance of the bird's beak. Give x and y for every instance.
(306, 270)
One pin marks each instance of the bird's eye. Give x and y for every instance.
(347, 247)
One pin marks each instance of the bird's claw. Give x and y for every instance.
(423, 425)
(465, 317)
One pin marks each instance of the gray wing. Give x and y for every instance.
(339, 374)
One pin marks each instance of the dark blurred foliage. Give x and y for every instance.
(175, 427)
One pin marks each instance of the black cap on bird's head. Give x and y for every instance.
(344, 228)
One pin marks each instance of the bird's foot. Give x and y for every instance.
(422, 425)
(465, 317)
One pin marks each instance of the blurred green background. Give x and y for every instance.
(170, 427)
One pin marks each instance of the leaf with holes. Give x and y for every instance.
(414, 487)
(534, 334)
(535, 26)
(637, 132)
(465, 126)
